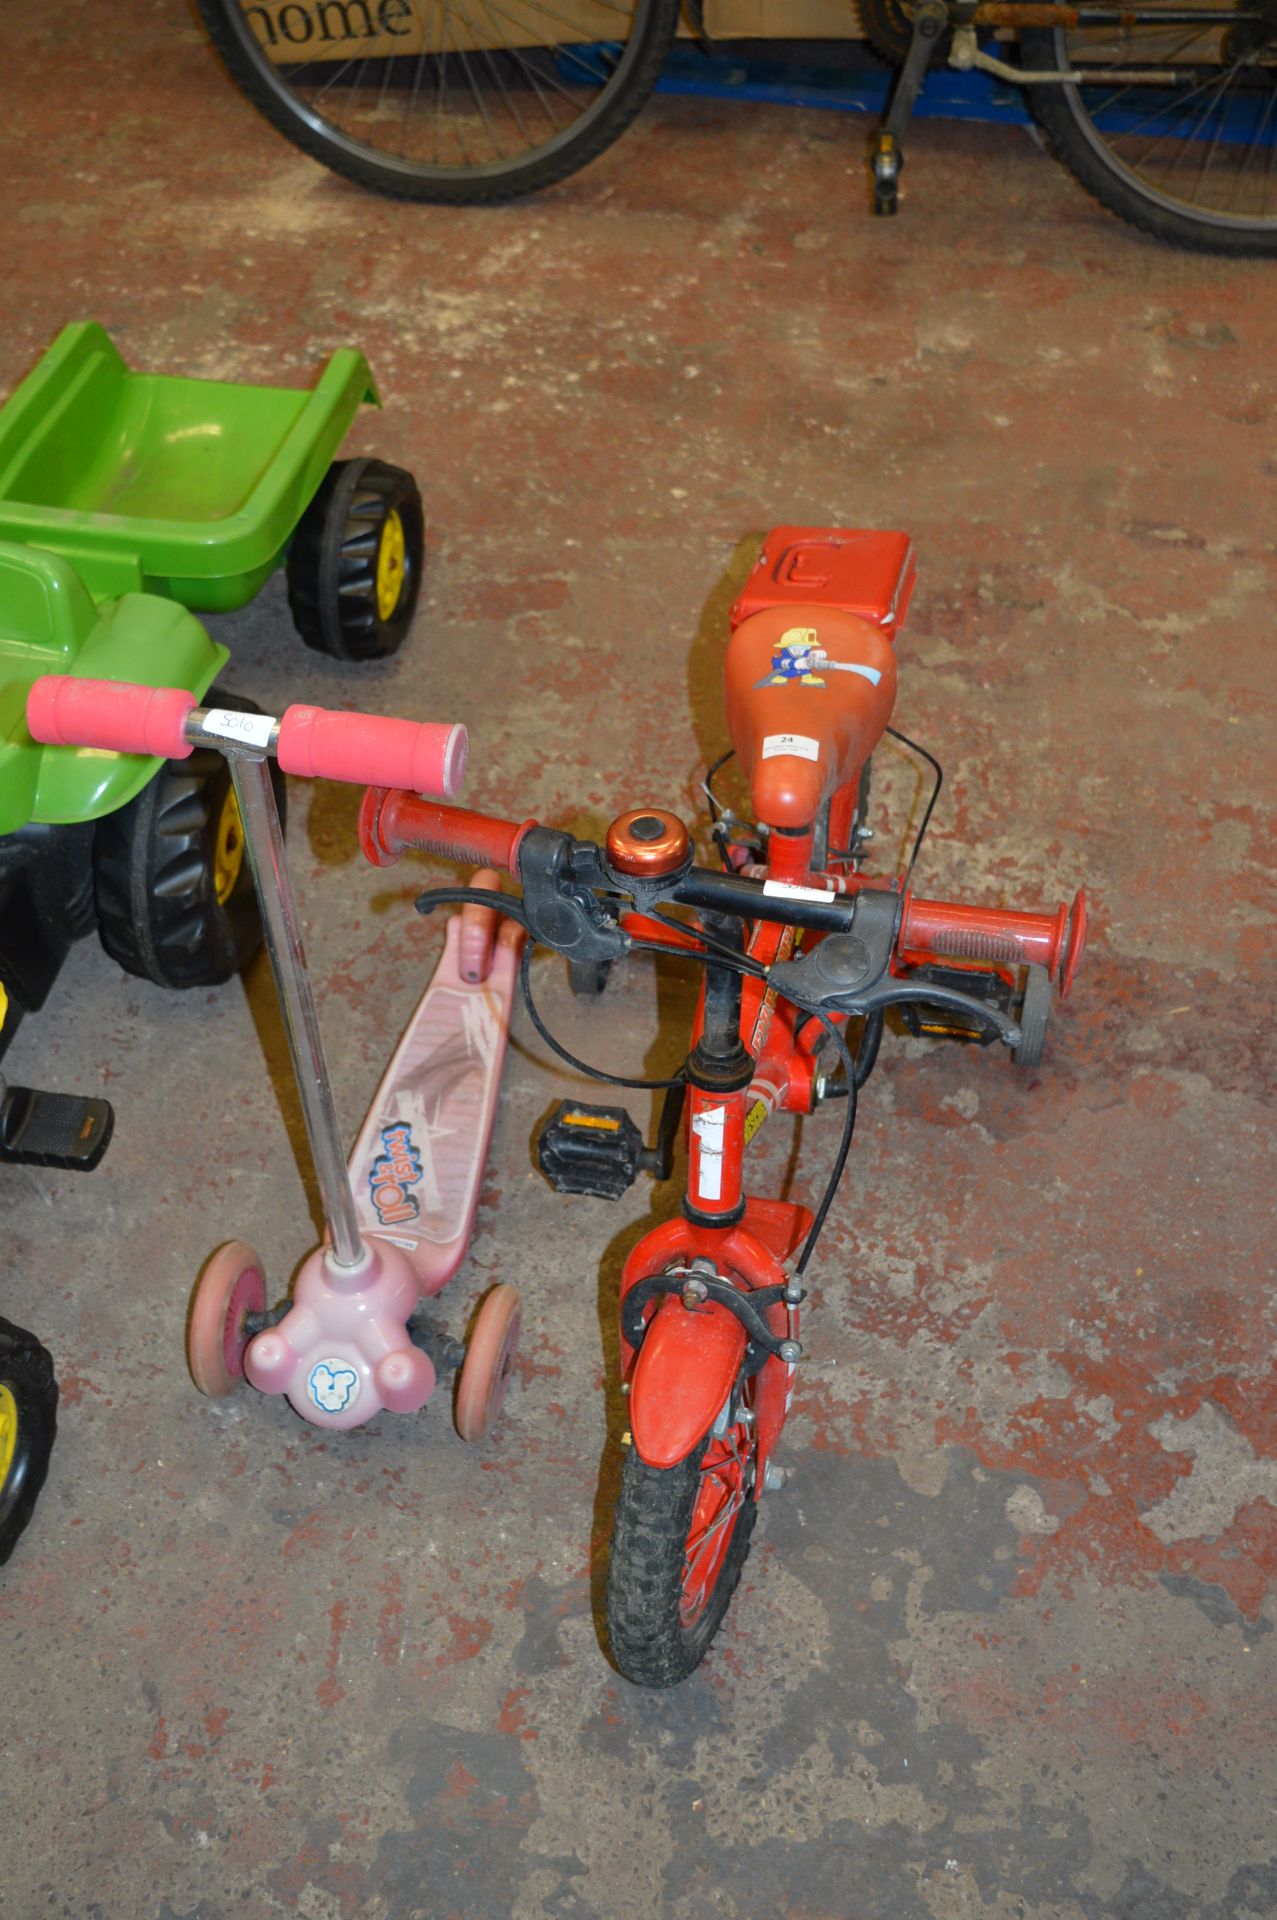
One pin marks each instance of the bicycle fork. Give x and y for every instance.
(720, 1300)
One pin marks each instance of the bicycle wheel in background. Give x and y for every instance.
(447, 100)
(1182, 139)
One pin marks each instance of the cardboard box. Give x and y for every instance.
(306, 30)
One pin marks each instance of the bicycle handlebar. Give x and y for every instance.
(390, 822)
(423, 756)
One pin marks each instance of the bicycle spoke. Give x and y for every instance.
(1256, 140)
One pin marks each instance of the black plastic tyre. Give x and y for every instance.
(661, 1613)
(175, 894)
(28, 1427)
(588, 978)
(1034, 1017)
(354, 570)
(505, 106)
(1188, 160)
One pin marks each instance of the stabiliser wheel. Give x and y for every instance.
(587, 978)
(679, 1541)
(485, 1371)
(1033, 1015)
(354, 571)
(28, 1426)
(175, 895)
(231, 1287)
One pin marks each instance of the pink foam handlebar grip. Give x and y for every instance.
(63, 712)
(424, 756)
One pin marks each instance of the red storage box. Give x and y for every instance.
(871, 574)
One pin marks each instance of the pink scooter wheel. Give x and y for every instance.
(231, 1286)
(489, 1359)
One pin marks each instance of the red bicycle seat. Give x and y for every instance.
(808, 692)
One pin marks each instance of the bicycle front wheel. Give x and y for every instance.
(1172, 124)
(446, 100)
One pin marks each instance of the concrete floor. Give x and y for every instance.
(1003, 1648)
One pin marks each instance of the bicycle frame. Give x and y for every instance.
(794, 942)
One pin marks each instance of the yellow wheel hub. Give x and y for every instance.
(390, 566)
(8, 1432)
(228, 850)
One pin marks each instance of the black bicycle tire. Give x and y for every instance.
(1061, 114)
(646, 1638)
(621, 99)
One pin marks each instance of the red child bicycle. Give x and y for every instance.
(802, 957)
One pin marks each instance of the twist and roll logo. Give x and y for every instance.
(393, 1175)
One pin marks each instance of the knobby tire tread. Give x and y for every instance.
(648, 1641)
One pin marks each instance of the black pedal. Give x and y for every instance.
(951, 1023)
(64, 1130)
(595, 1150)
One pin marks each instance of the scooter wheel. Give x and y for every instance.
(231, 1287)
(1034, 1016)
(485, 1372)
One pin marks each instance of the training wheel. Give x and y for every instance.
(485, 1372)
(1034, 1017)
(231, 1287)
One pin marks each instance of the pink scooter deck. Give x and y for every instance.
(416, 1168)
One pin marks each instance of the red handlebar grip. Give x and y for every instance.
(996, 936)
(391, 821)
(423, 756)
(112, 714)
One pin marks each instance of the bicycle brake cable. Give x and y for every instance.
(932, 762)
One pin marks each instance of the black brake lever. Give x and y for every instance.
(851, 973)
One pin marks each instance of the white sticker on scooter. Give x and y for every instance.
(799, 744)
(333, 1385)
(249, 729)
(708, 1128)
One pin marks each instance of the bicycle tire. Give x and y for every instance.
(1105, 160)
(620, 91)
(652, 1640)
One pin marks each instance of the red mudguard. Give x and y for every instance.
(684, 1370)
(683, 1375)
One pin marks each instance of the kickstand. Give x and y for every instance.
(930, 18)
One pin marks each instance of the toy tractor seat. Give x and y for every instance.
(808, 691)
(49, 624)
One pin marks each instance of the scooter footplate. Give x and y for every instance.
(416, 1168)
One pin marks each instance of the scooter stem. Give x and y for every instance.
(264, 840)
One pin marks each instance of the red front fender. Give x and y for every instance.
(685, 1370)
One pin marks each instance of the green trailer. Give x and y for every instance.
(198, 490)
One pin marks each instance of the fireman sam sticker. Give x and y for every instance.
(799, 660)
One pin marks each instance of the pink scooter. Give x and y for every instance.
(399, 1216)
